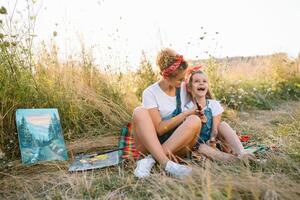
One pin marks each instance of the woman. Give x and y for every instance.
(161, 128)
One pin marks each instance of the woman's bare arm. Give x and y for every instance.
(163, 126)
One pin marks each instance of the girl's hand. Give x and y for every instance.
(212, 142)
(201, 114)
(203, 118)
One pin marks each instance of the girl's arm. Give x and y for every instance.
(163, 126)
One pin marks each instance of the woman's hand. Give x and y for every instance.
(192, 111)
(196, 110)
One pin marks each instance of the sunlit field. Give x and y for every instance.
(261, 96)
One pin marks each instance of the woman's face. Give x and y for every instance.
(199, 85)
(177, 80)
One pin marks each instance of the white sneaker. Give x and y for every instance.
(177, 170)
(144, 167)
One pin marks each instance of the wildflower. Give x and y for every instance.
(2, 155)
(241, 90)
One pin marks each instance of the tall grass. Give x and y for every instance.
(255, 82)
(87, 103)
(266, 86)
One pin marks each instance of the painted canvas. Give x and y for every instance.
(40, 135)
(94, 161)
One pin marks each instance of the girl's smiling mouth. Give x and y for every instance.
(201, 88)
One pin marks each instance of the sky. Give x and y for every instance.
(117, 31)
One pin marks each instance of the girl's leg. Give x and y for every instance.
(184, 137)
(231, 138)
(146, 137)
(215, 154)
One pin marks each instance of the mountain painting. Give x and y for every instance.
(40, 135)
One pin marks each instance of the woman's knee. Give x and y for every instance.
(194, 122)
(139, 112)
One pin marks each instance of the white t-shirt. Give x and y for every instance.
(155, 97)
(213, 104)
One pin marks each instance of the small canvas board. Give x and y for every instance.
(86, 162)
(40, 135)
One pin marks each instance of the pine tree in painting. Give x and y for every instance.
(25, 136)
(51, 131)
(56, 126)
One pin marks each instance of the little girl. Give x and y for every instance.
(210, 112)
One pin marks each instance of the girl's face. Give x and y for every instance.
(199, 85)
(177, 80)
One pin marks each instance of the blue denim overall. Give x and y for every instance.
(206, 128)
(177, 111)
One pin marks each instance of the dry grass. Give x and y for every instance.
(209, 181)
(276, 179)
(256, 67)
(88, 104)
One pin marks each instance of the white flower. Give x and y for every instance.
(241, 90)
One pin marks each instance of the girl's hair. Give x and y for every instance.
(167, 57)
(190, 80)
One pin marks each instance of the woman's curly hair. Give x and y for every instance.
(166, 57)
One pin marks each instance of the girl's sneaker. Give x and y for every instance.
(144, 167)
(177, 170)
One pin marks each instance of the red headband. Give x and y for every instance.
(166, 72)
(193, 68)
(189, 72)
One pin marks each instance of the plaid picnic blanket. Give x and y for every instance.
(128, 151)
(126, 143)
(253, 146)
